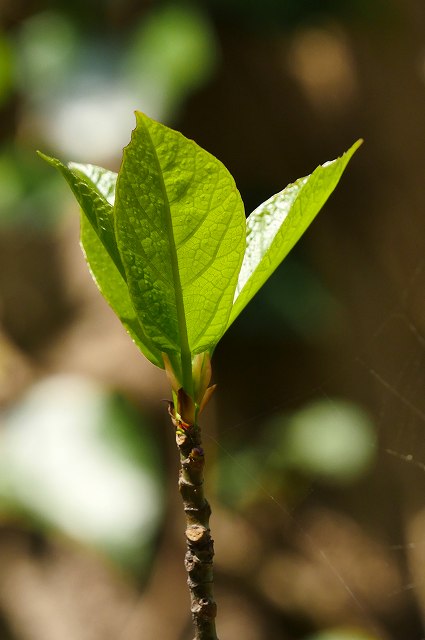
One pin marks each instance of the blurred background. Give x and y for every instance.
(316, 437)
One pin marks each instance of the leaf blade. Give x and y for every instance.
(114, 289)
(93, 188)
(278, 223)
(104, 271)
(180, 229)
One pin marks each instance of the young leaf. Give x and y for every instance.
(103, 180)
(277, 224)
(105, 273)
(96, 189)
(180, 229)
(84, 181)
(168, 255)
(114, 289)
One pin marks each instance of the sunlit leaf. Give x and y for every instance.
(94, 189)
(84, 181)
(114, 289)
(104, 272)
(101, 179)
(277, 224)
(168, 245)
(180, 229)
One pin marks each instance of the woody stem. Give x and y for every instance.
(200, 546)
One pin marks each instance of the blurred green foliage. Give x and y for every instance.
(6, 72)
(170, 55)
(46, 49)
(328, 441)
(77, 92)
(28, 195)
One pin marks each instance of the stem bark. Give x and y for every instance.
(200, 546)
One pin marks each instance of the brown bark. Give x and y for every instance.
(200, 546)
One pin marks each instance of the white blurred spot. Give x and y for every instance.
(54, 462)
(94, 123)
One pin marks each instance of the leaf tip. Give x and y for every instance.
(140, 117)
(54, 162)
(357, 144)
(352, 150)
(47, 158)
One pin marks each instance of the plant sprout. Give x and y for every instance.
(169, 247)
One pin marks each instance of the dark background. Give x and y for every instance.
(316, 437)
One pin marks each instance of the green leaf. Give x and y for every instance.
(109, 280)
(94, 189)
(277, 224)
(165, 240)
(84, 181)
(180, 229)
(102, 180)
(114, 289)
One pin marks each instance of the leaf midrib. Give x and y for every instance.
(186, 358)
